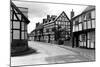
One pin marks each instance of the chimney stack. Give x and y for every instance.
(72, 14)
(37, 24)
(48, 18)
(44, 20)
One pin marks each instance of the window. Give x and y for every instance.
(76, 28)
(84, 25)
(80, 19)
(22, 25)
(73, 28)
(88, 16)
(16, 34)
(83, 37)
(80, 26)
(93, 14)
(89, 24)
(77, 21)
(93, 23)
(16, 25)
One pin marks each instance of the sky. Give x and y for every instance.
(39, 10)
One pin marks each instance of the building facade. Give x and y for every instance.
(84, 28)
(18, 30)
(56, 28)
(38, 32)
(31, 36)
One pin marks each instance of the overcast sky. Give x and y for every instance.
(38, 11)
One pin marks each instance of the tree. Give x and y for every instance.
(60, 34)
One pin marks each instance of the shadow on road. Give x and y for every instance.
(25, 53)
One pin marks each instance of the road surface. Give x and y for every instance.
(47, 54)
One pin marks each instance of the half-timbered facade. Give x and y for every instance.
(84, 28)
(48, 25)
(56, 28)
(18, 30)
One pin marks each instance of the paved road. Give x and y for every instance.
(47, 53)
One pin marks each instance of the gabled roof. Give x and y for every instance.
(62, 14)
(85, 10)
(89, 8)
(16, 8)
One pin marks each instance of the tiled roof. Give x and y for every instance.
(85, 10)
(89, 8)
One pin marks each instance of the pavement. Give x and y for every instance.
(51, 53)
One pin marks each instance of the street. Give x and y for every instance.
(46, 54)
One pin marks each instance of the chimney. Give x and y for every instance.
(44, 20)
(53, 17)
(72, 14)
(48, 18)
(37, 24)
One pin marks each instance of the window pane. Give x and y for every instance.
(93, 14)
(16, 25)
(83, 37)
(16, 34)
(89, 24)
(68, 23)
(80, 26)
(22, 35)
(73, 28)
(93, 23)
(80, 19)
(76, 28)
(84, 25)
(22, 25)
